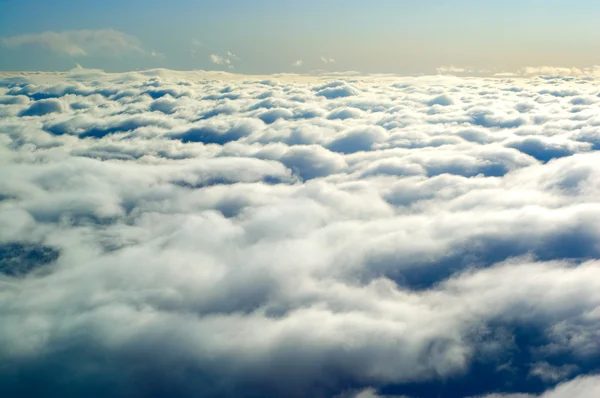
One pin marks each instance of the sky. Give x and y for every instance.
(268, 36)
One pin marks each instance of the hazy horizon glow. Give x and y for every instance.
(382, 36)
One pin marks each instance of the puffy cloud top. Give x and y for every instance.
(43, 107)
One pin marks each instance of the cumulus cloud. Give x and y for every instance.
(297, 63)
(207, 234)
(443, 100)
(79, 42)
(43, 107)
(552, 71)
(335, 90)
(327, 60)
(217, 59)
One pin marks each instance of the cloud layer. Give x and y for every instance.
(206, 234)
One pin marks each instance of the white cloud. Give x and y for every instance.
(450, 69)
(462, 71)
(227, 60)
(229, 235)
(551, 70)
(583, 387)
(217, 59)
(156, 54)
(327, 60)
(297, 63)
(529, 71)
(80, 42)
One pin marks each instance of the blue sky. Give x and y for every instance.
(267, 36)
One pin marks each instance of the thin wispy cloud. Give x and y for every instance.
(195, 47)
(327, 60)
(79, 42)
(228, 60)
(156, 54)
